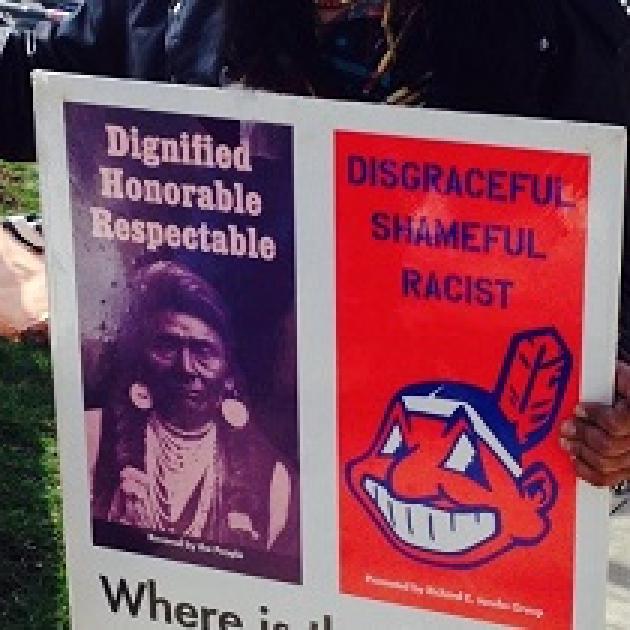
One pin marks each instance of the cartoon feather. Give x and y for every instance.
(533, 382)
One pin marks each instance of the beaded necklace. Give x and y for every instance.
(180, 465)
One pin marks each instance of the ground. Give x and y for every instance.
(32, 577)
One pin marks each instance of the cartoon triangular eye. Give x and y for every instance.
(394, 441)
(461, 456)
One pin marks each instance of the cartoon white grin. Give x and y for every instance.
(451, 477)
(430, 528)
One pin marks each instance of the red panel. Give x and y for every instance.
(487, 262)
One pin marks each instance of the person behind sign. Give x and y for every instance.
(175, 451)
(563, 59)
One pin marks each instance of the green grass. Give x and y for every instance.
(32, 577)
(19, 193)
(32, 571)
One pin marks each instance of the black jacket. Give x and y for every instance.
(183, 41)
(143, 39)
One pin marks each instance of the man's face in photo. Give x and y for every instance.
(187, 363)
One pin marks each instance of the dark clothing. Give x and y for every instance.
(559, 59)
(565, 59)
(184, 41)
(552, 58)
(549, 58)
(139, 39)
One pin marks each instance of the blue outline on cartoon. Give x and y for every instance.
(445, 481)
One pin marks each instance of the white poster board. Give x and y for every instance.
(231, 400)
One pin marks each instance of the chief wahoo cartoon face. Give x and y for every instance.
(444, 479)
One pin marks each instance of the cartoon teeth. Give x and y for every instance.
(430, 528)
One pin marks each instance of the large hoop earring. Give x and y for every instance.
(233, 410)
(140, 396)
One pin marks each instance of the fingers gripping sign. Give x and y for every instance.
(598, 437)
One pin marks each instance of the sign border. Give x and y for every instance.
(314, 122)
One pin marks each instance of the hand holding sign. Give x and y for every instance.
(598, 438)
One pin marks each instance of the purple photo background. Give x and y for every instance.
(260, 295)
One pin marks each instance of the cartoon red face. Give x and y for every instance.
(444, 480)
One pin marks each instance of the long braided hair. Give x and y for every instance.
(274, 46)
(406, 24)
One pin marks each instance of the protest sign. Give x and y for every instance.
(311, 358)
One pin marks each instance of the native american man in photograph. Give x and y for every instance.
(175, 450)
